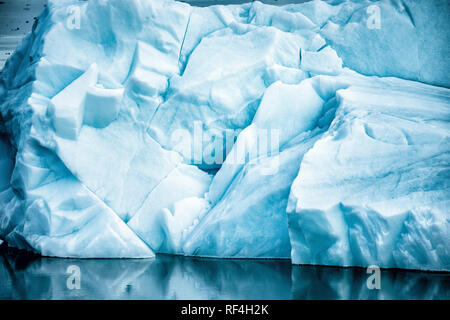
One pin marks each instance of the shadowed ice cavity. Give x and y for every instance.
(172, 277)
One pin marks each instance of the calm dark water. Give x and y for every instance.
(168, 277)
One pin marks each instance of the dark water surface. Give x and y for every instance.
(170, 277)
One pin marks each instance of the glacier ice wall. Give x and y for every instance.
(316, 131)
(374, 189)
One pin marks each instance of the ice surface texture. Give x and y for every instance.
(316, 131)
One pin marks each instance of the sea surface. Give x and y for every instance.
(26, 276)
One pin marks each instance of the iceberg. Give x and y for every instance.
(372, 188)
(317, 132)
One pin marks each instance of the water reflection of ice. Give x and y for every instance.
(351, 284)
(169, 277)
